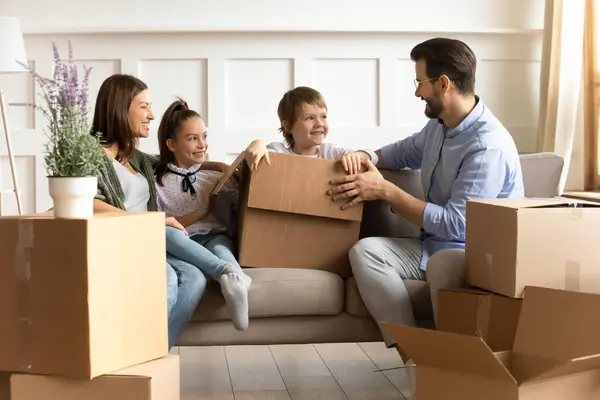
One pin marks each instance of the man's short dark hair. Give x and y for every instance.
(449, 57)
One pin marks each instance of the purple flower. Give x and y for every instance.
(71, 149)
(66, 98)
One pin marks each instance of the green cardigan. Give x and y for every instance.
(110, 190)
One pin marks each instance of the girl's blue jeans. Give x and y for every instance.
(210, 253)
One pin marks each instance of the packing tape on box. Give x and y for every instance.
(22, 269)
(575, 211)
(572, 276)
(489, 268)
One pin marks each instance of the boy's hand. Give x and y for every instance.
(352, 162)
(254, 153)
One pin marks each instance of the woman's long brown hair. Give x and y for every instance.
(111, 113)
(175, 116)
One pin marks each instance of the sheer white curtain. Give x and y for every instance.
(561, 78)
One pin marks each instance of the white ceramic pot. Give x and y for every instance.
(73, 196)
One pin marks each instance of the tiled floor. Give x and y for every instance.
(292, 372)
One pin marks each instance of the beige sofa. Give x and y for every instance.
(309, 306)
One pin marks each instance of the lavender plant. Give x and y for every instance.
(72, 150)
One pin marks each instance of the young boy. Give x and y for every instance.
(303, 117)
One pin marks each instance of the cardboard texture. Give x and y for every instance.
(556, 354)
(513, 243)
(286, 218)
(479, 313)
(154, 380)
(4, 386)
(82, 297)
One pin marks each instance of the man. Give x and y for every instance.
(463, 153)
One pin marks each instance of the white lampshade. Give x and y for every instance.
(12, 46)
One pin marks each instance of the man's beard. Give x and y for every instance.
(434, 109)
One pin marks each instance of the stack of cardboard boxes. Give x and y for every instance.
(84, 311)
(529, 328)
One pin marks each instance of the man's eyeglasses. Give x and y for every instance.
(418, 82)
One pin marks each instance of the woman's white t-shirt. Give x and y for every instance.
(135, 188)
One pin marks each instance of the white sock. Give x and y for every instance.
(235, 290)
(247, 280)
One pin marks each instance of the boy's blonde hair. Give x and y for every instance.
(289, 104)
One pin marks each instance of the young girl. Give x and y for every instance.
(303, 117)
(183, 191)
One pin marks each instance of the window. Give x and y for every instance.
(591, 75)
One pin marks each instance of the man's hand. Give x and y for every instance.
(370, 185)
(170, 221)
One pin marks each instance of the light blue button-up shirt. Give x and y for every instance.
(477, 159)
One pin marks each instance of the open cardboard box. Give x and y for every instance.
(469, 311)
(287, 220)
(556, 354)
(513, 243)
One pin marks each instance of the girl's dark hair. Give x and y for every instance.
(111, 113)
(177, 113)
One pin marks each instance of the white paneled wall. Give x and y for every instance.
(234, 70)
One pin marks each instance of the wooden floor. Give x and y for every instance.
(292, 372)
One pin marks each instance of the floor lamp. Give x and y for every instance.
(12, 51)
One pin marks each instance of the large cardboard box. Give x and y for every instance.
(287, 219)
(82, 297)
(513, 243)
(556, 354)
(475, 312)
(154, 380)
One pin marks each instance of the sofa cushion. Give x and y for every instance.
(378, 218)
(278, 292)
(417, 290)
(541, 174)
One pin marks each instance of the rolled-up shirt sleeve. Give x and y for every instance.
(405, 153)
(482, 175)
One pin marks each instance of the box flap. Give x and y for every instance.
(299, 185)
(532, 202)
(553, 325)
(229, 172)
(449, 351)
(532, 370)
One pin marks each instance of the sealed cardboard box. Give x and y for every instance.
(286, 219)
(513, 243)
(154, 380)
(82, 297)
(475, 312)
(556, 354)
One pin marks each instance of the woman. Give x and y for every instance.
(126, 182)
